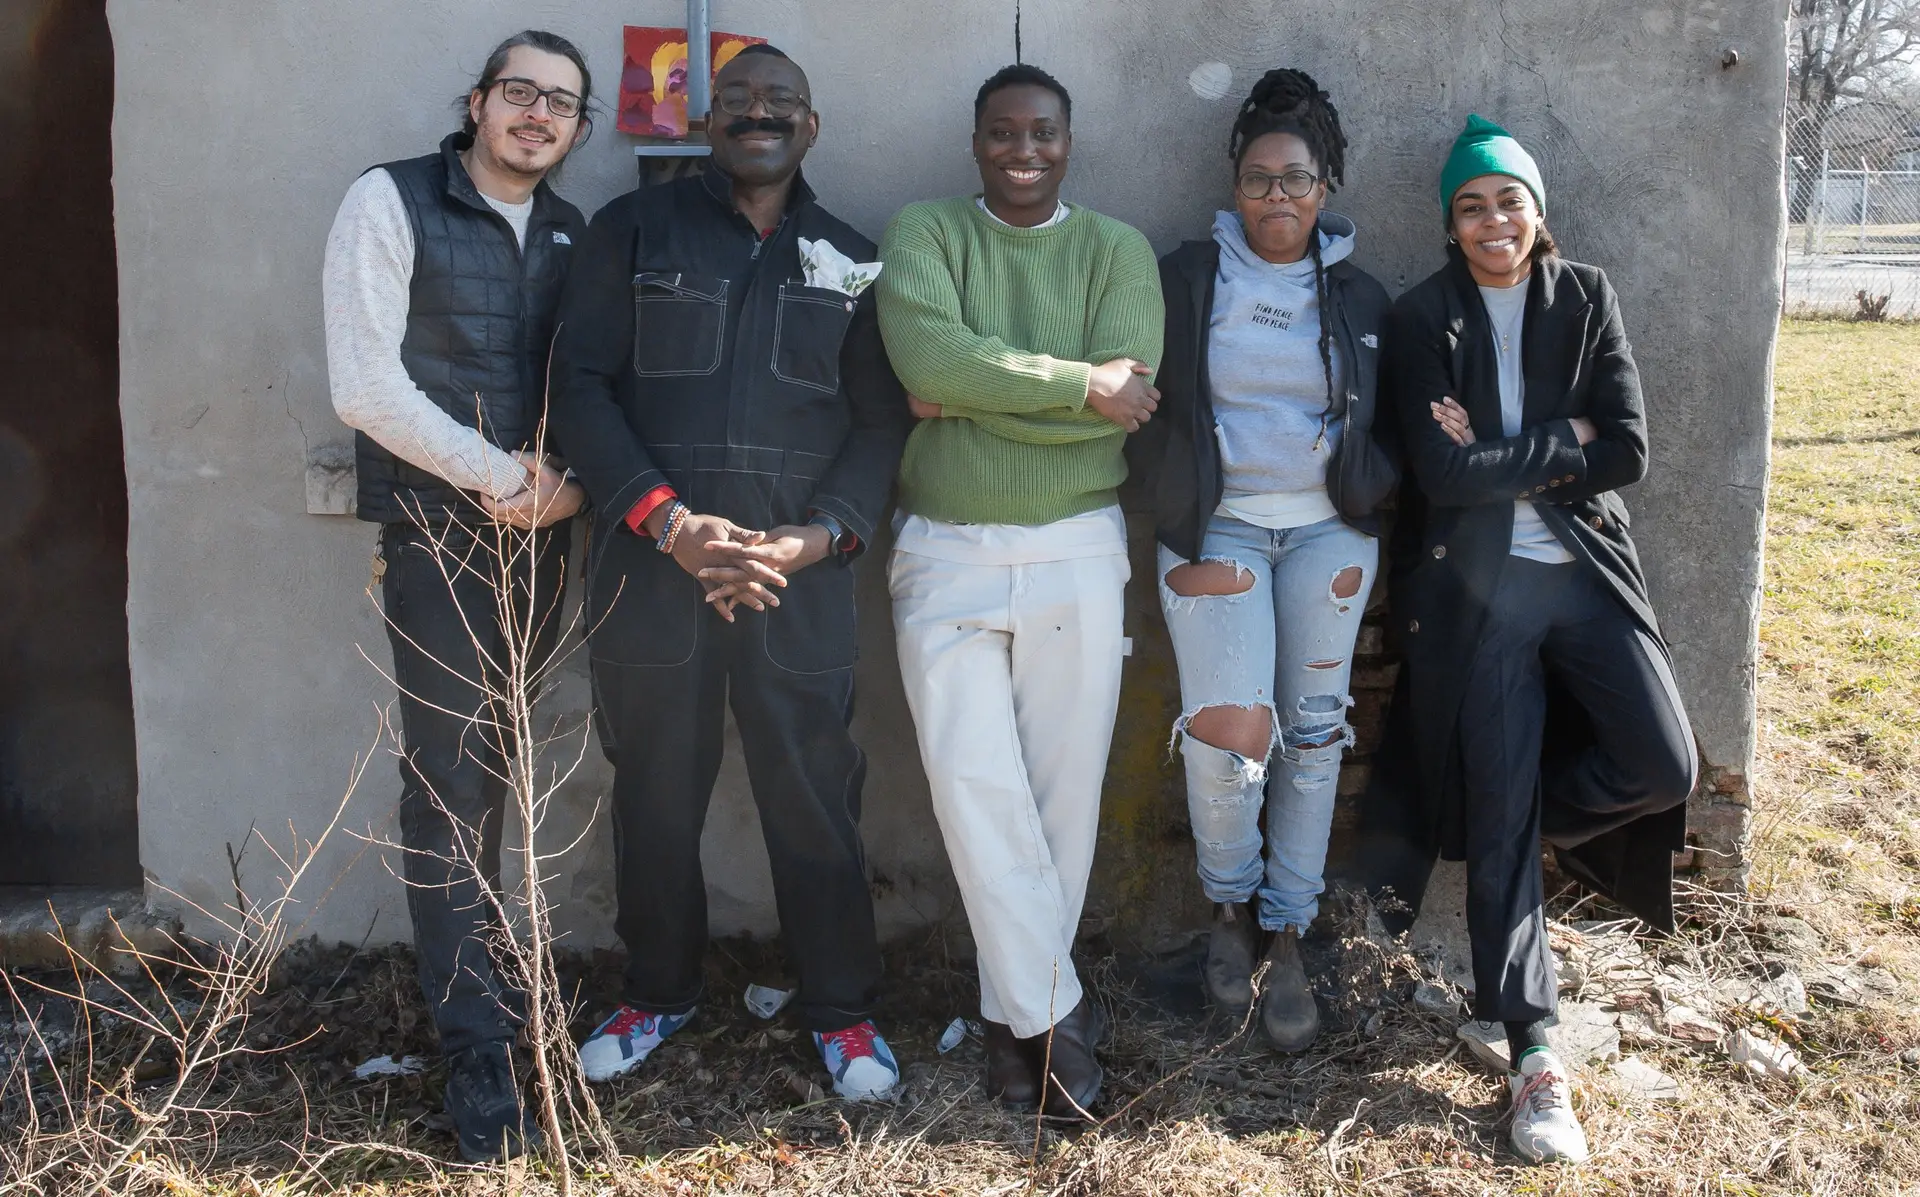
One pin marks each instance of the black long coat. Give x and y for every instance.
(1454, 534)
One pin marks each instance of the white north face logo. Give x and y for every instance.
(1371, 341)
(562, 239)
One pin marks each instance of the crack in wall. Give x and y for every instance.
(286, 401)
(1529, 65)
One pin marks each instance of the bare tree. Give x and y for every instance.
(93, 1126)
(1842, 52)
(1850, 50)
(532, 756)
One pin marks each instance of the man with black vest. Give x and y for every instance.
(721, 386)
(442, 280)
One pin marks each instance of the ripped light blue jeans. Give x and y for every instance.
(1284, 644)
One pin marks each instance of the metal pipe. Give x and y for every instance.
(699, 67)
(1819, 233)
(1866, 181)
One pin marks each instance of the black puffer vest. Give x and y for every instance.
(479, 325)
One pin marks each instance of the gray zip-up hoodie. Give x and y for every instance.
(1263, 358)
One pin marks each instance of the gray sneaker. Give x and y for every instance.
(1288, 1012)
(1230, 952)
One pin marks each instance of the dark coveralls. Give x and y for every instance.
(693, 355)
(479, 321)
(1538, 701)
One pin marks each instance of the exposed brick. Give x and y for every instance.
(1368, 714)
(1346, 821)
(1719, 826)
(1731, 880)
(1717, 823)
(1374, 673)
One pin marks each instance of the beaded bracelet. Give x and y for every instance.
(676, 519)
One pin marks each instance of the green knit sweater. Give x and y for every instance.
(1001, 326)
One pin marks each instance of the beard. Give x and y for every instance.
(515, 156)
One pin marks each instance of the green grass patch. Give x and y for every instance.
(1840, 638)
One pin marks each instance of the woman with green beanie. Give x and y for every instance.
(1537, 690)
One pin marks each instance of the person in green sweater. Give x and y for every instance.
(1027, 331)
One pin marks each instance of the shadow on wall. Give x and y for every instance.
(67, 770)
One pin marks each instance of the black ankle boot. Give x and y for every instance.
(1074, 1074)
(1013, 1074)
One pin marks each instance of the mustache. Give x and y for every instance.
(527, 128)
(765, 124)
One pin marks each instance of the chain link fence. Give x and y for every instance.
(1853, 210)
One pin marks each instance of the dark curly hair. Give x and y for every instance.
(1289, 101)
(1021, 74)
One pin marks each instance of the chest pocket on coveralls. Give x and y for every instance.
(808, 326)
(679, 323)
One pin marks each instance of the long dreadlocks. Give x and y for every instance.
(1289, 101)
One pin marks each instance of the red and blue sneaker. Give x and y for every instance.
(860, 1062)
(624, 1041)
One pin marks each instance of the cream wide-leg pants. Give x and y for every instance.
(1012, 673)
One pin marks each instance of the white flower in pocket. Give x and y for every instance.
(827, 267)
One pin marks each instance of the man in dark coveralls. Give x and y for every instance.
(732, 414)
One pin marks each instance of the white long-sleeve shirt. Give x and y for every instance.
(367, 285)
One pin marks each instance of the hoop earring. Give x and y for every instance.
(1452, 240)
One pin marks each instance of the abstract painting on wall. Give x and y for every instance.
(653, 77)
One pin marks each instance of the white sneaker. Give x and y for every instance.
(859, 1060)
(1544, 1127)
(624, 1041)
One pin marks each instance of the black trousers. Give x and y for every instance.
(1556, 620)
(444, 620)
(661, 726)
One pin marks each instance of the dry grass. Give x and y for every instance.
(1839, 826)
(1384, 1104)
(1841, 643)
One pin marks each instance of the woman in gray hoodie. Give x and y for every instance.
(1266, 478)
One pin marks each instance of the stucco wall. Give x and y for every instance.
(239, 123)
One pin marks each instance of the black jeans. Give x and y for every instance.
(445, 623)
(1558, 620)
(661, 726)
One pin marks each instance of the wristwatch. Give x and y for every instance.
(843, 541)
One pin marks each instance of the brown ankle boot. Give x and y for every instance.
(1013, 1074)
(1287, 1009)
(1074, 1072)
(1231, 947)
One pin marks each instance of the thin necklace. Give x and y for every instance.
(1506, 343)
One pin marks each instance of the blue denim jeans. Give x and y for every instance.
(1284, 644)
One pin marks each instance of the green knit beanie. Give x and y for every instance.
(1484, 148)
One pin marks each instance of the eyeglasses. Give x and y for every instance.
(735, 99)
(1295, 184)
(522, 93)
